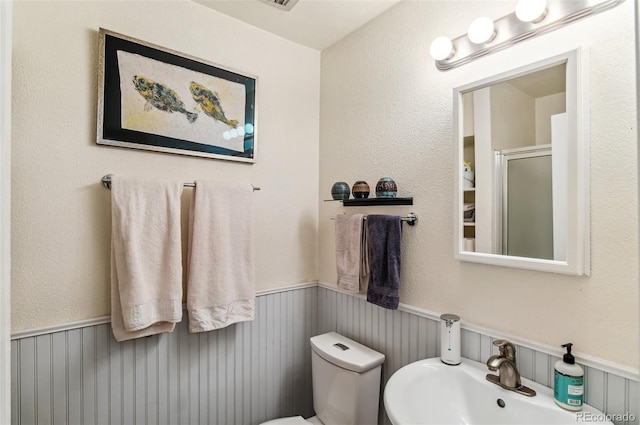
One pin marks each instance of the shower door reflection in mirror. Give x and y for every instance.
(527, 203)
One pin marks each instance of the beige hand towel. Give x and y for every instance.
(220, 276)
(146, 257)
(351, 257)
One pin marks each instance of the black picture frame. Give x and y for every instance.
(185, 117)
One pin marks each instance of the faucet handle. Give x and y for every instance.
(506, 348)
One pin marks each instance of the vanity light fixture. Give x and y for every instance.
(530, 19)
(441, 48)
(482, 30)
(531, 10)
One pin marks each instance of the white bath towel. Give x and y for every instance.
(146, 257)
(351, 256)
(220, 274)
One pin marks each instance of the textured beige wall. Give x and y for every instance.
(61, 213)
(5, 210)
(387, 111)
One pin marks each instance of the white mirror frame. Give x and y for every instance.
(578, 224)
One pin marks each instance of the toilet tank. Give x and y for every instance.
(346, 380)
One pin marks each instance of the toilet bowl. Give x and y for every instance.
(294, 420)
(346, 383)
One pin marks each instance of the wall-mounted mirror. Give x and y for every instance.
(523, 159)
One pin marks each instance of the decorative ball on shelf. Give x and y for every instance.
(386, 188)
(340, 191)
(360, 189)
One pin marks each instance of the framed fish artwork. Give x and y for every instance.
(157, 99)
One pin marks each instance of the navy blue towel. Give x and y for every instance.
(384, 238)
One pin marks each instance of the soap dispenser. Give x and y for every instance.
(568, 381)
(450, 339)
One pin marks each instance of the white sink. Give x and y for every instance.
(430, 392)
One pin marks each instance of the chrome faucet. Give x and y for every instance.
(505, 363)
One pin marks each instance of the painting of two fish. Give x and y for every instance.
(173, 103)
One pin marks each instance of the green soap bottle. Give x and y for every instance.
(568, 382)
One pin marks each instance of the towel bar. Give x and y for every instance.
(411, 219)
(106, 182)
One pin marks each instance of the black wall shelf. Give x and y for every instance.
(359, 202)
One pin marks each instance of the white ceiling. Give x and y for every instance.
(313, 23)
(542, 83)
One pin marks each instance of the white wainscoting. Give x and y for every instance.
(249, 372)
(246, 373)
(405, 337)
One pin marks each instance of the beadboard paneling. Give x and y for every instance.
(405, 337)
(246, 373)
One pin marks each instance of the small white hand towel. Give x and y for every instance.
(351, 256)
(220, 274)
(146, 257)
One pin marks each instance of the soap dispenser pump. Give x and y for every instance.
(568, 381)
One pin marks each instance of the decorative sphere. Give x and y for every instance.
(340, 191)
(360, 189)
(386, 188)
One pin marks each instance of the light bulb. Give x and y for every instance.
(441, 48)
(481, 30)
(531, 10)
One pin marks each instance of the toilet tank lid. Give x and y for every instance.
(346, 353)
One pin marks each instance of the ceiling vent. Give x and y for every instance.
(282, 4)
